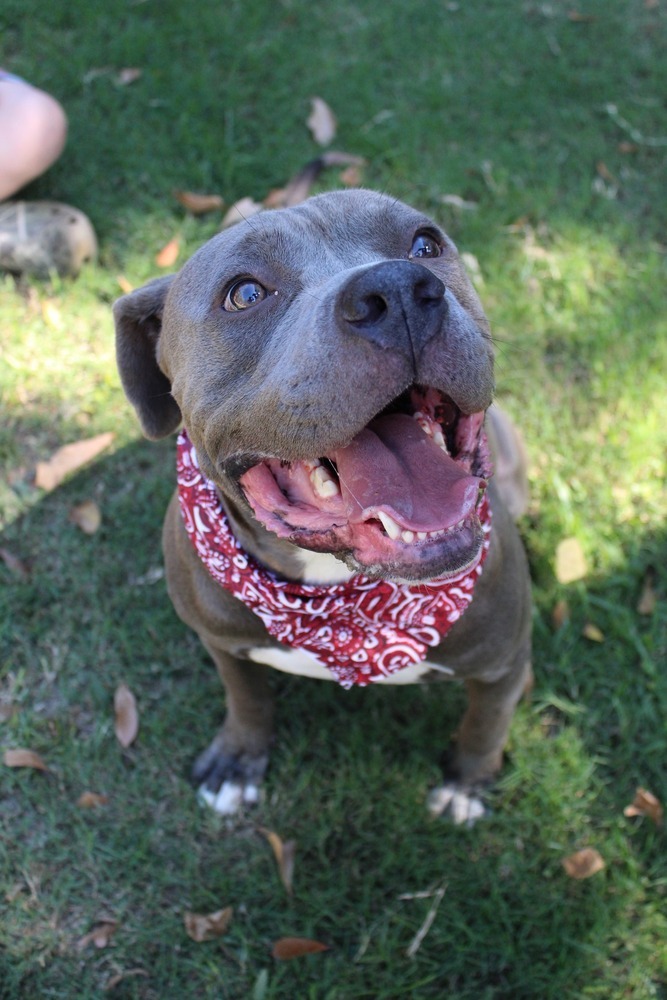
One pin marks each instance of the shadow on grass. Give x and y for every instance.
(349, 776)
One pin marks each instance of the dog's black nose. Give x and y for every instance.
(397, 304)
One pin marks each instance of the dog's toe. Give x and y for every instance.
(230, 797)
(460, 805)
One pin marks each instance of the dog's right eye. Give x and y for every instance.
(244, 294)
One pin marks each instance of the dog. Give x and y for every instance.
(336, 514)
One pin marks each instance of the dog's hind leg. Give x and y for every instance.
(229, 772)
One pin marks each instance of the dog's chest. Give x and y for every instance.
(304, 664)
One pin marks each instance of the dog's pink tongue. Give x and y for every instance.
(393, 465)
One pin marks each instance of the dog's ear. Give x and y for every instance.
(138, 319)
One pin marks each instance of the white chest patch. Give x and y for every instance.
(304, 664)
(322, 567)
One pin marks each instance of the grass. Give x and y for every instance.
(503, 103)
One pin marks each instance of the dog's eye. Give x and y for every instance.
(244, 294)
(425, 245)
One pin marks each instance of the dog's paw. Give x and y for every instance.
(458, 804)
(230, 797)
(228, 781)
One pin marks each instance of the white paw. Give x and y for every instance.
(462, 807)
(230, 797)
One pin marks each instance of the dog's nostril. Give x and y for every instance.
(429, 291)
(367, 309)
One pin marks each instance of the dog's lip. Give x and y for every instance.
(417, 504)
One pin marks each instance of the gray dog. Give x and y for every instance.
(335, 513)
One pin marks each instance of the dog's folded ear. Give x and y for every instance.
(138, 319)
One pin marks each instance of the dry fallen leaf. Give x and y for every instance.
(579, 18)
(284, 855)
(584, 863)
(570, 561)
(127, 717)
(321, 122)
(128, 75)
(125, 286)
(24, 758)
(206, 926)
(648, 598)
(628, 147)
(294, 947)
(351, 176)
(168, 255)
(86, 516)
(592, 632)
(199, 204)
(91, 800)
(14, 564)
(115, 980)
(645, 804)
(605, 173)
(241, 210)
(100, 935)
(68, 459)
(560, 614)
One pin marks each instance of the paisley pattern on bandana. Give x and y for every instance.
(361, 630)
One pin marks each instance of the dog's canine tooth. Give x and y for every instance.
(323, 482)
(390, 526)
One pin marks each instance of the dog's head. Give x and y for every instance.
(332, 365)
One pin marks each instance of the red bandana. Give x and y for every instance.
(361, 630)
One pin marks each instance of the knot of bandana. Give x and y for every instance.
(361, 630)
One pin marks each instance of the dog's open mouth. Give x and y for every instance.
(400, 499)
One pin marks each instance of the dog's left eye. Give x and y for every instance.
(425, 245)
(244, 294)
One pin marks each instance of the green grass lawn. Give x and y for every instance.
(505, 104)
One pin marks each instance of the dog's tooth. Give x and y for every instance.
(323, 482)
(424, 422)
(389, 525)
(408, 536)
(422, 536)
(439, 439)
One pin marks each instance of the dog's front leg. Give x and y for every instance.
(476, 755)
(230, 770)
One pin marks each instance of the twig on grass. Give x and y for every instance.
(634, 133)
(417, 940)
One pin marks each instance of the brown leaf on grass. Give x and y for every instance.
(14, 564)
(127, 717)
(86, 516)
(351, 176)
(128, 75)
(321, 122)
(570, 561)
(578, 18)
(627, 148)
(283, 851)
(24, 758)
(582, 864)
(294, 947)
(168, 255)
(592, 632)
(198, 204)
(648, 597)
(605, 173)
(91, 800)
(100, 935)
(207, 926)
(115, 980)
(68, 459)
(125, 286)
(560, 614)
(645, 804)
(241, 210)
